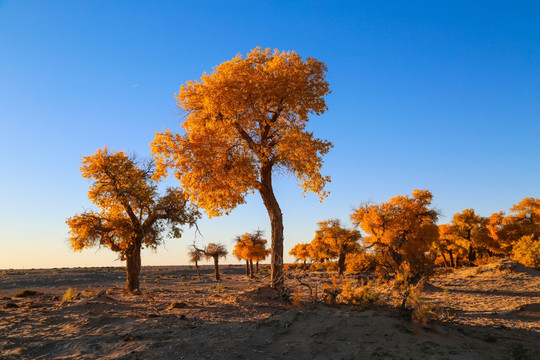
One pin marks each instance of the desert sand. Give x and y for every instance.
(488, 312)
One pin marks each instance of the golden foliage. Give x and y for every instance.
(527, 251)
(251, 246)
(247, 116)
(401, 231)
(523, 220)
(301, 252)
(471, 232)
(333, 241)
(131, 212)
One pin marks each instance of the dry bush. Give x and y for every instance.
(409, 297)
(70, 295)
(362, 296)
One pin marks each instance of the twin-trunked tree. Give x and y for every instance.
(131, 214)
(246, 120)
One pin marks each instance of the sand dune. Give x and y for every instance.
(179, 316)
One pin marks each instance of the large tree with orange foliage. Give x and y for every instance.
(244, 121)
(131, 213)
(401, 231)
(334, 241)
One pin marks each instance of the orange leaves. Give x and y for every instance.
(247, 113)
(251, 246)
(402, 230)
(301, 251)
(131, 212)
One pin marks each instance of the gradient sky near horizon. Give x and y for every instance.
(442, 95)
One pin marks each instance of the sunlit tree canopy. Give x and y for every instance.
(131, 213)
(244, 121)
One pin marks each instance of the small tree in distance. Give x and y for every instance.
(213, 251)
(195, 255)
(251, 247)
(333, 241)
(131, 212)
(301, 252)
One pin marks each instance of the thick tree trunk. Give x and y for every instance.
(247, 269)
(216, 268)
(251, 269)
(276, 223)
(452, 263)
(133, 268)
(472, 254)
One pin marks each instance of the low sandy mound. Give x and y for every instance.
(501, 294)
(337, 333)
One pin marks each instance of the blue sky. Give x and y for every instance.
(440, 95)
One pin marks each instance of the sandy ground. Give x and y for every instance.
(493, 313)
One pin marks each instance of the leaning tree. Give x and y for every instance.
(131, 214)
(245, 121)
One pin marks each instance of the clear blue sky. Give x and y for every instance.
(443, 95)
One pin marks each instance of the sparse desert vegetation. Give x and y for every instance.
(491, 311)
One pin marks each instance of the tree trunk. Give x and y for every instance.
(341, 263)
(472, 254)
(247, 269)
(198, 270)
(276, 223)
(454, 265)
(444, 259)
(133, 268)
(257, 267)
(251, 269)
(216, 268)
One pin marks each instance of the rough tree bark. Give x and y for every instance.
(247, 269)
(276, 223)
(133, 267)
(216, 267)
(341, 263)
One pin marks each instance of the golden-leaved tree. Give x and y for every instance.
(251, 247)
(401, 232)
(523, 220)
(244, 121)
(449, 246)
(334, 241)
(471, 232)
(131, 212)
(301, 252)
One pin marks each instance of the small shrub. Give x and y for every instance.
(409, 297)
(70, 295)
(363, 296)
